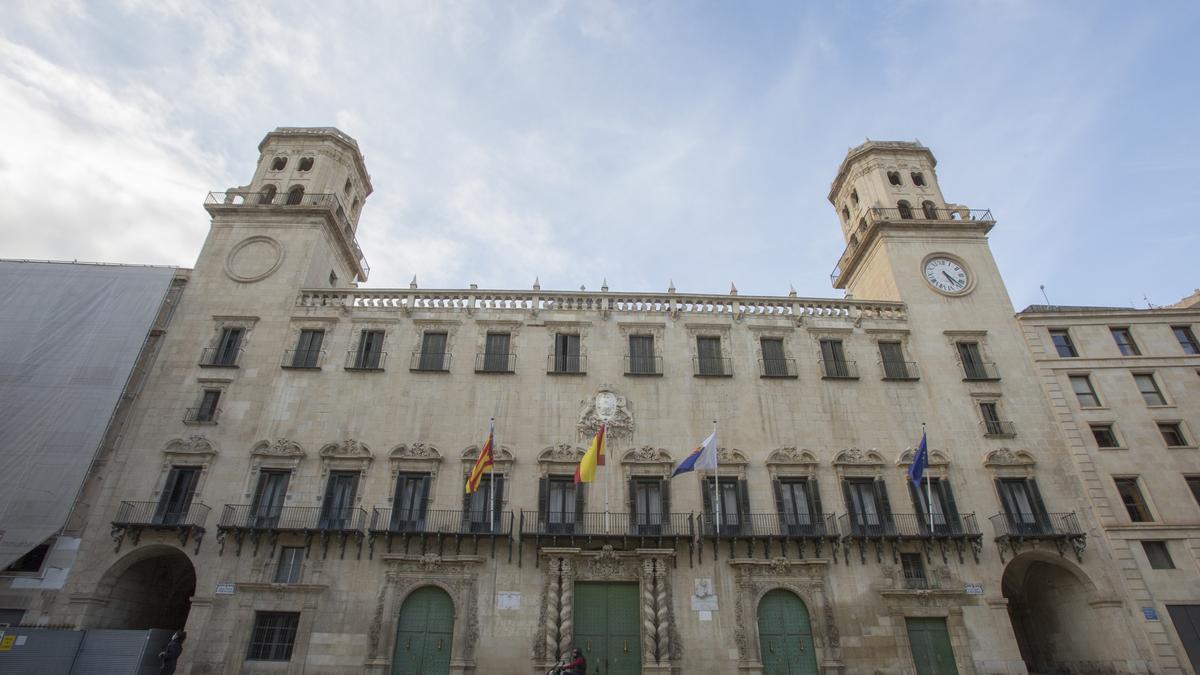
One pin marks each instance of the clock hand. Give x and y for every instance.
(953, 282)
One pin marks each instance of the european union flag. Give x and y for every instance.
(920, 463)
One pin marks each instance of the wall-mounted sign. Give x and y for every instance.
(225, 588)
(508, 600)
(973, 589)
(1150, 613)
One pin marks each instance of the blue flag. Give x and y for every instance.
(920, 463)
(703, 457)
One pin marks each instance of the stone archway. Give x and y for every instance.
(1060, 621)
(151, 587)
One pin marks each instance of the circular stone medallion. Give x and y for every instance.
(253, 259)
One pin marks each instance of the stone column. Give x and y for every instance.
(378, 642)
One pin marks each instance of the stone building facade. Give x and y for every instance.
(329, 427)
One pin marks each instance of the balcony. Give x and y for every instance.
(429, 362)
(328, 204)
(998, 428)
(777, 368)
(765, 528)
(440, 526)
(201, 415)
(712, 366)
(246, 520)
(977, 371)
(576, 529)
(215, 357)
(643, 365)
(838, 370)
(365, 361)
(915, 215)
(566, 364)
(491, 362)
(954, 531)
(1014, 529)
(897, 371)
(303, 359)
(134, 517)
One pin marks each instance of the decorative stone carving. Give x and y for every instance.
(936, 458)
(281, 447)
(647, 454)
(727, 456)
(806, 578)
(348, 448)
(605, 407)
(196, 446)
(416, 451)
(1006, 457)
(563, 453)
(417, 457)
(791, 456)
(500, 455)
(859, 456)
(607, 565)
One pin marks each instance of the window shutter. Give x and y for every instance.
(544, 500)
(424, 495)
(631, 501)
(885, 506)
(467, 515)
(706, 497)
(948, 504)
(579, 490)
(665, 489)
(498, 495)
(918, 497)
(814, 502)
(1035, 495)
(743, 490)
(849, 500)
(779, 499)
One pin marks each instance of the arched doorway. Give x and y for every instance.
(151, 587)
(1050, 605)
(785, 635)
(424, 633)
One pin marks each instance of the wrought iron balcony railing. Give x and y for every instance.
(998, 428)
(978, 370)
(1012, 529)
(215, 357)
(920, 583)
(442, 526)
(778, 367)
(643, 365)
(271, 200)
(908, 525)
(303, 359)
(900, 370)
(430, 362)
(566, 364)
(491, 362)
(599, 524)
(918, 212)
(768, 525)
(838, 370)
(201, 415)
(134, 517)
(293, 518)
(712, 366)
(359, 360)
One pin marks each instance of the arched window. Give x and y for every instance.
(278, 163)
(853, 240)
(905, 210)
(854, 197)
(305, 163)
(918, 178)
(347, 188)
(929, 209)
(845, 214)
(354, 207)
(894, 177)
(296, 195)
(267, 195)
(862, 225)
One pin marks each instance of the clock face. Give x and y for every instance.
(946, 275)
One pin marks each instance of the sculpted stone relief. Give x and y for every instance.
(458, 576)
(606, 407)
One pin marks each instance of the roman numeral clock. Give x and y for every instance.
(947, 275)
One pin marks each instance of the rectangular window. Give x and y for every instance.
(1187, 339)
(1062, 343)
(496, 356)
(708, 356)
(369, 355)
(867, 503)
(291, 558)
(730, 500)
(176, 499)
(992, 424)
(308, 348)
(935, 495)
(1023, 508)
(478, 516)
(1151, 394)
(433, 351)
(914, 570)
(800, 506)
(833, 357)
(649, 505)
(1193, 483)
(32, 561)
(1105, 436)
(267, 507)
(562, 500)
(273, 636)
(891, 354)
(1124, 339)
(1082, 385)
(1172, 434)
(207, 412)
(229, 345)
(566, 354)
(972, 361)
(1131, 496)
(775, 363)
(409, 502)
(641, 355)
(338, 511)
(1158, 555)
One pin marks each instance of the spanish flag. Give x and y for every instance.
(484, 461)
(586, 471)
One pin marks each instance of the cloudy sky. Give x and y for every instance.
(638, 141)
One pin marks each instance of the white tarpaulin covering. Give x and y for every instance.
(69, 336)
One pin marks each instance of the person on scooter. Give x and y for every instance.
(577, 665)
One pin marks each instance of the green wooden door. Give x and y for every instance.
(606, 628)
(785, 635)
(424, 633)
(931, 646)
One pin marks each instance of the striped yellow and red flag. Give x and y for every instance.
(586, 471)
(484, 461)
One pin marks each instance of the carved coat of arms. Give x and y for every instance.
(607, 407)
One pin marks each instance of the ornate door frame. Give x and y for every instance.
(806, 578)
(649, 568)
(458, 576)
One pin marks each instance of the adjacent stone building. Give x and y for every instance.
(329, 428)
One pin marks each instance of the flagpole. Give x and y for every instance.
(603, 446)
(492, 478)
(928, 480)
(717, 482)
